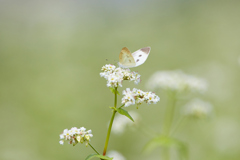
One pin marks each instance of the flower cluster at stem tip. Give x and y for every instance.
(75, 135)
(177, 81)
(115, 76)
(137, 96)
(198, 108)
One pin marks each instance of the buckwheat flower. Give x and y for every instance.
(151, 98)
(104, 74)
(198, 108)
(137, 96)
(134, 76)
(71, 132)
(128, 99)
(195, 84)
(116, 155)
(113, 81)
(75, 130)
(115, 76)
(176, 81)
(75, 135)
(82, 129)
(61, 136)
(61, 142)
(108, 67)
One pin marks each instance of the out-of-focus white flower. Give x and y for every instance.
(61, 142)
(198, 108)
(122, 122)
(116, 155)
(115, 76)
(75, 135)
(61, 136)
(176, 81)
(137, 96)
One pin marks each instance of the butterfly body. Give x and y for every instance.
(128, 60)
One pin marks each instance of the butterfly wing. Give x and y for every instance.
(126, 59)
(141, 55)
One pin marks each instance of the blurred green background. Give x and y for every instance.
(51, 53)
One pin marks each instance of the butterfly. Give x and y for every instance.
(128, 60)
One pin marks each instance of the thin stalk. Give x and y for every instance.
(121, 106)
(93, 148)
(168, 120)
(170, 114)
(178, 125)
(110, 124)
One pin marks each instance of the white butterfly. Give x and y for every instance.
(128, 60)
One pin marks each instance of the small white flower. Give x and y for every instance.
(126, 91)
(89, 131)
(75, 130)
(61, 142)
(176, 81)
(75, 135)
(61, 136)
(65, 131)
(115, 76)
(129, 103)
(198, 108)
(70, 132)
(103, 74)
(137, 96)
(82, 129)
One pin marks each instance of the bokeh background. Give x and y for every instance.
(51, 53)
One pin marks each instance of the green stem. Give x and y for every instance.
(121, 106)
(170, 110)
(179, 123)
(110, 124)
(93, 148)
(170, 113)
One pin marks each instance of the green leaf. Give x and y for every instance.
(113, 90)
(167, 142)
(118, 93)
(124, 112)
(91, 156)
(98, 156)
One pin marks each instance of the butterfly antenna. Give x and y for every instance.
(114, 63)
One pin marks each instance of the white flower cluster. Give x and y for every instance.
(198, 108)
(176, 81)
(122, 122)
(137, 96)
(75, 135)
(115, 76)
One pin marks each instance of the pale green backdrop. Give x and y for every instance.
(51, 53)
